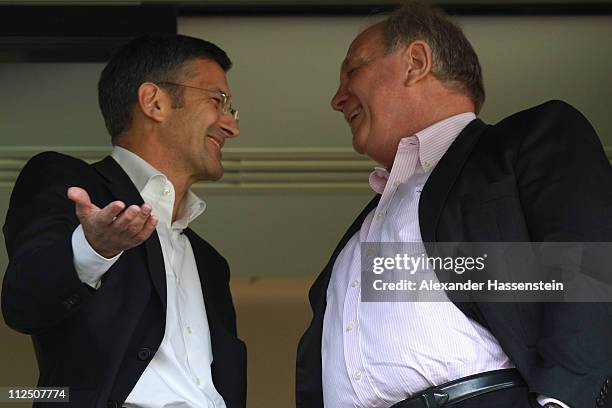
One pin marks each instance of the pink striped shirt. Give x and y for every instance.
(376, 354)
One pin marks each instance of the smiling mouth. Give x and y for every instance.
(217, 142)
(354, 114)
(218, 152)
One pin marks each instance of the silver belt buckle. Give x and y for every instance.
(434, 399)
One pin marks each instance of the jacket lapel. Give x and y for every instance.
(443, 178)
(120, 185)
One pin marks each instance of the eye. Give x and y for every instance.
(217, 100)
(352, 70)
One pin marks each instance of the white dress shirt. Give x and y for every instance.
(375, 354)
(179, 375)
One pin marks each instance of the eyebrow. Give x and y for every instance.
(350, 59)
(217, 89)
(347, 59)
(225, 92)
(357, 61)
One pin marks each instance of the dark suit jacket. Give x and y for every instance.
(99, 342)
(540, 175)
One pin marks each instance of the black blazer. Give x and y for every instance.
(540, 175)
(99, 342)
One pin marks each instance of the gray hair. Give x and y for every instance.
(454, 61)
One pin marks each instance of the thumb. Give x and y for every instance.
(82, 201)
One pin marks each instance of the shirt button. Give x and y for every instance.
(380, 216)
(197, 381)
(357, 375)
(166, 191)
(396, 183)
(426, 164)
(349, 327)
(144, 354)
(189, 330)
(355, 283)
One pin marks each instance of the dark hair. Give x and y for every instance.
(453, 58)
(148, 59)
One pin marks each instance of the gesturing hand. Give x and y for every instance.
(111, 230)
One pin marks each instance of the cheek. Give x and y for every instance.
(380, 131)
(209, 116)
(202, 119)
(380, 123)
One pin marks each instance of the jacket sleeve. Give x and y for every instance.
(565, 183)
(41, 287)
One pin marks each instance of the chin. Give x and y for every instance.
(211, 174)
(358, 147)
(215, 176)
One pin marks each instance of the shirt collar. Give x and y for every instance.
(137, 168)
(191, 208)
(431, 142)
(141, 173)
(435, 140)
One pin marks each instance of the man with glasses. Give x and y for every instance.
(410, 90)
(126, 305)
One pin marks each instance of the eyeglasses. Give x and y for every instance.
(225, 101)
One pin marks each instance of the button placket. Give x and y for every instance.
(398, 173)
(352, 357)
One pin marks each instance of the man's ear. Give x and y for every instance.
(416, 61)
(153, 102)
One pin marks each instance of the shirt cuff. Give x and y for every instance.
(543, 399)
(90, 266)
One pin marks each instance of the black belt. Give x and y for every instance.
(453, 392)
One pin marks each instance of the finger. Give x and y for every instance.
(146, 230)
(146, 209)
(83, 204)
(108, 214)
(137, 223)
(121, 223)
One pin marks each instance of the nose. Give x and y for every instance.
(339, 99)
(228, 125)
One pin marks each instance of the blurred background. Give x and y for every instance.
(292, 184)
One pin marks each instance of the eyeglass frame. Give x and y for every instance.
(226, 100)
